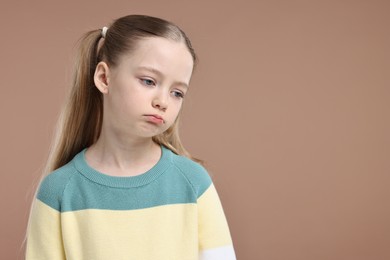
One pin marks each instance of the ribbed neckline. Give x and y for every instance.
(123, 182)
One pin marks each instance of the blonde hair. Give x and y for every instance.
(80, 122)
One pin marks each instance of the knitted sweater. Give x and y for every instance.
(170, 212)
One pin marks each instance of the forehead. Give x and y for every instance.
(170, 57)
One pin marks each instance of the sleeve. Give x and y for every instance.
(44, 236)
(44, 239)
(215, 241)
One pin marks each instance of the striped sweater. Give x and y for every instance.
(170, 212)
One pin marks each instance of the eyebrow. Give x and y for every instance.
(160, 74)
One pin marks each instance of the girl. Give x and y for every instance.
(121, 184)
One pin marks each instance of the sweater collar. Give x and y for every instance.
(123, 182)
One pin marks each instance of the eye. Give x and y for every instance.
(178, 94)
(147, 82)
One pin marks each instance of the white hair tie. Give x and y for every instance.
(104, 31)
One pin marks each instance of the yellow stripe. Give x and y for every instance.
(44, 233)
(164, 232)
(213, 228)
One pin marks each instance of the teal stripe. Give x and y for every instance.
(77, 186)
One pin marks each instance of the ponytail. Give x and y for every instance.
(80, 121)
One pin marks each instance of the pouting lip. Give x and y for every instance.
(156, 116)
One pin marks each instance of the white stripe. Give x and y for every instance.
(220, 253)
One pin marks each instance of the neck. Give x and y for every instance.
(124, 156)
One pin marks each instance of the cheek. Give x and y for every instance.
(120, 104)
(129, 98)
(175, 107)
(176, 112)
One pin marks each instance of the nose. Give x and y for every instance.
(160, 102)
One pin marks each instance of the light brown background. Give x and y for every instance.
(289, 106)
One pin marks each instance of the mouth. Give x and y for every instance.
(156, 119)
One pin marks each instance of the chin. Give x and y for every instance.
(150, 134)
(149, 131)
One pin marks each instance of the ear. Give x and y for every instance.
(101, 77)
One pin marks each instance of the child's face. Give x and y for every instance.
(145, 90)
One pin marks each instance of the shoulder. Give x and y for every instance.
(53, 185)
(194, 172)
